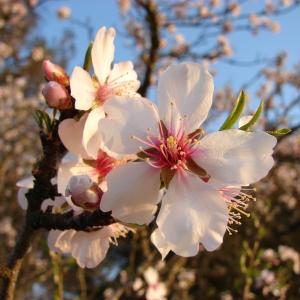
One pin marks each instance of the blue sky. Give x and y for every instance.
(246, 46)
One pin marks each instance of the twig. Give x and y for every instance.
(152, 22)
(65, 221)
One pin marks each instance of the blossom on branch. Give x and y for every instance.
(91, 93)
(203, 174)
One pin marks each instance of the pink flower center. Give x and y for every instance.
(103, 93)
(169, 150)
(104, 164)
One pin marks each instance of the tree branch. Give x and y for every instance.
(152, 21)
(68, 220)
(44, 170)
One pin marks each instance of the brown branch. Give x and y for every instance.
(65, 221)
(151, 20)
(44, 170)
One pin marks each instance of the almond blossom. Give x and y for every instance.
(156, 290)
(203, 173)
(91, 93)
(88, 248)
(71, 134)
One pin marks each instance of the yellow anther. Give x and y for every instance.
(171, 142)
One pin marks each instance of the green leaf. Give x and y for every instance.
(43, 120)
(88, 57)
(236, 112)
(254, 118)
(279, 132)
(37, 118)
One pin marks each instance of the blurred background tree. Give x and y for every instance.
(262, 260)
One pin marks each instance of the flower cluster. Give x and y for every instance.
(146, 162)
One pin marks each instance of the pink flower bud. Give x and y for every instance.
(84, 192)
(56, 73)
(56, 96)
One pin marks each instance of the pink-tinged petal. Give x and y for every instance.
(91, 138)
(57, 96)
(190, 87)
(123, 79)
(133, 191)
(26, 182)
(24, 185)
(60, 241)
(71, 134)
(128, 120)
(89, 248)
(82, 89)
(235, 157)
(190, 214)
(103, 53)
(121, 72)
(160, 243)
(69, 169)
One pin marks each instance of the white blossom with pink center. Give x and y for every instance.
(88, 248)
(71, 133)
(91, 93)
(195, 169)
(156, 290)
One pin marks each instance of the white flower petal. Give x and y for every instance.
(190, 214)
(160, 243)
(60, 241)
(236, 157)
(82, 89)
(133, 190)
(91, 138)
(151, 275)
(22, 200)
(57, 202)
(89, 248)
(103, 53)
(244, 120)
(123, 79)
(67, 170)
(24, 185)
(126, 119)
(122, 72)
(190, 87)
(71, 134)
(156, 292)
(26, 182)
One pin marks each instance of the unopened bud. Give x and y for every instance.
(55, 72)
(56, 96)
(84, 192)
(64, 12)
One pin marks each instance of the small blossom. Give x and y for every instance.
(53, 72)
(64, 12)
(84, 192)
(124, 6)
(38, 53)
(156, 290)
(56, 96)
(235, 8)
(288, 253)
(91, 93)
